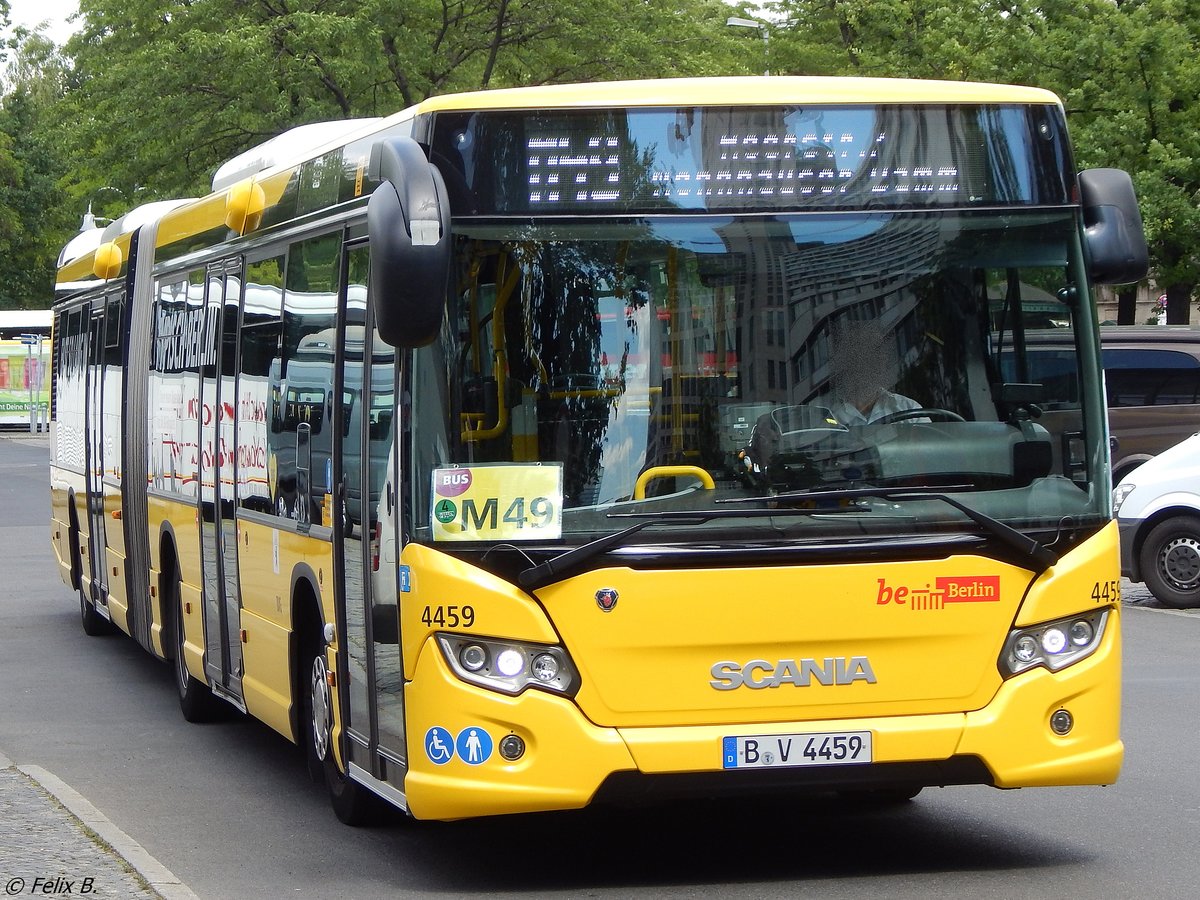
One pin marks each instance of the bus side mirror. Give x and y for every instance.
(408, 220)
(1115, 240)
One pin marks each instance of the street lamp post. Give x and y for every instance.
(739, 22)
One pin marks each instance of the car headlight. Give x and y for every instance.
(1053, 645)
(509, 666)
(1120, 492)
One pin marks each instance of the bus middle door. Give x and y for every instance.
(94, 448)
(218, 480)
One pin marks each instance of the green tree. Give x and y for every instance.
(1127, 72)
(34, 221)
(1145, 117)
(898, 38)
(162, 92)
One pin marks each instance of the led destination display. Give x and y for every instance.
(754, 158)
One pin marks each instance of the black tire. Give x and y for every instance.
(196, 701)
(316, 721)
(73, 549)
(1170, 561)
(352, 803)
(94, 624)
(1122, 472)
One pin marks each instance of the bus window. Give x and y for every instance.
(260, 337)
(303, 378)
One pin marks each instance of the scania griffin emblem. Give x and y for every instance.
(606, 598)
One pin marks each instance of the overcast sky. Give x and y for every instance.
(31, 13)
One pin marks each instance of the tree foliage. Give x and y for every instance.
(1127, 72)
(34, 220)
(151, 96)
(163, 91)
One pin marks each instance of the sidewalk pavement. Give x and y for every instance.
(53, 842)
(23, 436)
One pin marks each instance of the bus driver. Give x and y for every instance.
(863, 360)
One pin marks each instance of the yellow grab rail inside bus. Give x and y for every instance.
(639, 489)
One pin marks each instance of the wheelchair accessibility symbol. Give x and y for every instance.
(439, 745)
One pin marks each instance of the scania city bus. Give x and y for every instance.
(540, 447)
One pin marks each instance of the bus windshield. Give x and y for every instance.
(675, 364)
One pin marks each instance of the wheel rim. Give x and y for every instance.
(1179, 563)
(320, 707)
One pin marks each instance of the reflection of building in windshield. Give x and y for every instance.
(792, 293)
(828, 282)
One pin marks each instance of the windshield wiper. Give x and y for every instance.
(1041, 556)
(572, 560)
(544, 573)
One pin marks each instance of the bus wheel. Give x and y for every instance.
(73, 549)
(94, 624)
(196, 701)
(1171, 562)
(352, 803)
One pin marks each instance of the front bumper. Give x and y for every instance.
(569, 762)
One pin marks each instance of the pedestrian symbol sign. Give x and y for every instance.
(474, 745)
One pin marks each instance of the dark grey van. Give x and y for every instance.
(1152, 378)
(1152, 374)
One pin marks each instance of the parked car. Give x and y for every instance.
(1158, 514)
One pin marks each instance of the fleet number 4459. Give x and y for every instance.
(448, 616)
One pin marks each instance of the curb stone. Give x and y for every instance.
(56, 831)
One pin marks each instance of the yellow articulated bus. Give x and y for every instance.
(540, 447)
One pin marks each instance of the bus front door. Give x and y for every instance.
(218, 478)
(364, 529)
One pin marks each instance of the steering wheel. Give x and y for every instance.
(904, 415)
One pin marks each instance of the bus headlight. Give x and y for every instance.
(1053, 645)
(509, 666)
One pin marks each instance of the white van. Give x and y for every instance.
(1158, 512)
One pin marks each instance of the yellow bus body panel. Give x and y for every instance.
(654, 722)
(1013, 736)
(744, 91)
(267, 620)
(500, 608)
(62, 481)
(648, 661)
(114, 557)
(1088, 578)
(266, 596)
(565, 761)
